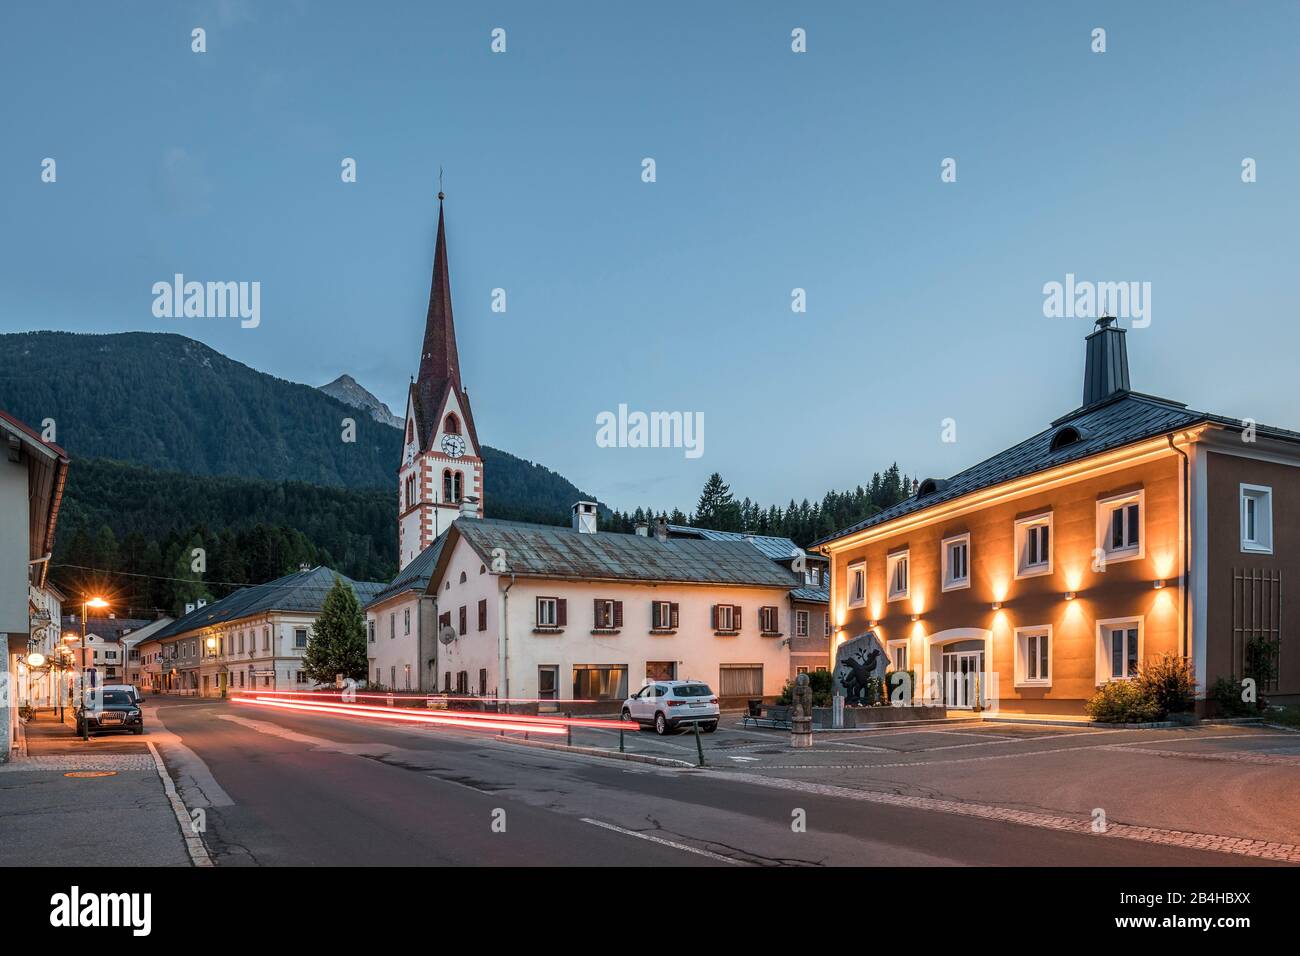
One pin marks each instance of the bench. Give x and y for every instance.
(777, 717)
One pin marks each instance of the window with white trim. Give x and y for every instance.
(1257, 519)
(1034, 545)
(896, 571)
(800, 623)
(956, 562)
(768, 621)
(857, 584)
(898, 655)
(1034, 656)
(1119, 648)
(1119, 526)
(725, 617)
(548, 612)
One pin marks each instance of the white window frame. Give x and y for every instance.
(1023, 635)
(951, 583)
(1105, 508)
(730, 612)
(1023, 525)
(800, 623)
(891, 564)
(1104, 650)
(896, 644)
(665, 612)
(548, 607)
(1258, 494)
(857, 581)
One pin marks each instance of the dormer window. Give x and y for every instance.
(1066, 436)
(451, 425)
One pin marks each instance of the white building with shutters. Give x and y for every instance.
(579, 617)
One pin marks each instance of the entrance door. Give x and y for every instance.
(962, 672)
(548, 686)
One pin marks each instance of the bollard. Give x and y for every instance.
(699, 744)
(568, 728)
(620, 735)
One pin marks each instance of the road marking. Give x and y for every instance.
(662, 842)
(193, 842)
(742, 759)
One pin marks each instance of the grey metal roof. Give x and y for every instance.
(300, 591)
(551, 552)
(776, 548)
(1123, 419)
(415, 576)
(813, 595)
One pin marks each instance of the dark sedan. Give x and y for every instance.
(109, 710)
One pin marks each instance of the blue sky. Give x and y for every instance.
(775, 170)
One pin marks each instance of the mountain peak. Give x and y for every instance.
(348, 391)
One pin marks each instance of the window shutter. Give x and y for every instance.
(735, 610)
(713, 617)
(673, 611)
(561, 612)
(463, 623)
(654, 614)
(482, 614)
(598, 612)
(618, 613)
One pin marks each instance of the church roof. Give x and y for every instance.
(439, 361)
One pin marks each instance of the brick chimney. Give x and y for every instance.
(1105, 371)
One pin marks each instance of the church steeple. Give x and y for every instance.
(441, 474)
(439, 361)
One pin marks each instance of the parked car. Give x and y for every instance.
(129, 688)
(668, 705)
(105, 710)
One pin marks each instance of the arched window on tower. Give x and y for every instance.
(410, 491)
(447, 489)
(457, 489)
(451, 425)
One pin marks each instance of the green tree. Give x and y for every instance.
(337, 644)
(717, 508)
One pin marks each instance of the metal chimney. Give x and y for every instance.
(1105, 371)
(643, 529)
(584, 517)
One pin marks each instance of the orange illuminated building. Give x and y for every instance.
(1129, 528)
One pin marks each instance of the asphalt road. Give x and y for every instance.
(279, 788)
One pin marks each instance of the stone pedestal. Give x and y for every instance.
(801, 732)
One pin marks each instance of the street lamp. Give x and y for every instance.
(211, 643)
(95, 602)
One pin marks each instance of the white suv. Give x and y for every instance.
(666, 705)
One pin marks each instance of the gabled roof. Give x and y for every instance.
(542, 551)
(47, 473)
(1122, 419)
(300, 591)
(415, 576)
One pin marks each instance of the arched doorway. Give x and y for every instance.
(960, 657)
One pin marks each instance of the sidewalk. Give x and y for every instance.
(114, 812)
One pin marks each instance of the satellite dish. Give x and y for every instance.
(447, 634)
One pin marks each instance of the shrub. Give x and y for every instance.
(1226, 694)
(820, 684)
(1122, 702)
(1168, 682)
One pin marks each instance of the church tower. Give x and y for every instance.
(441, 473)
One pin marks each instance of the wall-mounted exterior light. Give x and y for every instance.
(915, 618)
(873, 624)
(997, 605)
(1159, 585)
(1069, 595)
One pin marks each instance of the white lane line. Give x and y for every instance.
(742, 759)
(662, 842)
(193, 842)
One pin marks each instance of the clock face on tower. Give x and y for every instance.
(453, 446)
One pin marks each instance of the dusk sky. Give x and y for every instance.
(775, 170)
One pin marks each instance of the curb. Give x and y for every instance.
(598, 752)
(193, 842)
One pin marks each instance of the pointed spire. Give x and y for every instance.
(439, 362)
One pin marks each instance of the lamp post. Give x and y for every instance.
(95, 602)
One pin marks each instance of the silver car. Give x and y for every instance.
(669, 705)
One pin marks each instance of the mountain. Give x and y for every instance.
(347, 391)
(168, 402)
